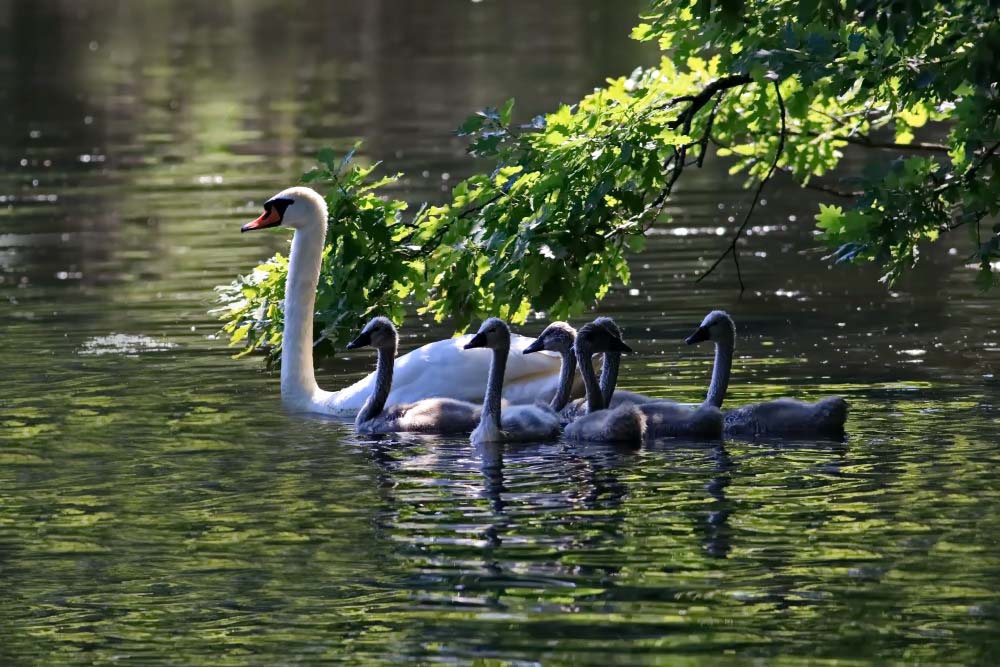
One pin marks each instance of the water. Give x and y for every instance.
(156, 505)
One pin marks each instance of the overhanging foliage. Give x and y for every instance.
(776, 84)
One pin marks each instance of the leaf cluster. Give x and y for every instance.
(871, 73)
(369, 266)
(776, 85)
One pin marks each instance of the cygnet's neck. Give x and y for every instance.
(610, 364)
(494, 386)
(383, 384)
(567, 369)
(595, 399)
(724, 349)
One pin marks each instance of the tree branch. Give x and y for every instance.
(707, 136)
(732, 249)
(983, 159)
(865, 142)
(971, 172)
(705, 96)
(679, 157)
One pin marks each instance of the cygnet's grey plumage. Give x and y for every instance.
(500, 423)
(664, 418)
(624, 424)
(559, 341)
(431, 415)
(784, 417)
(610, 367)
(667, 419)
(788, 417)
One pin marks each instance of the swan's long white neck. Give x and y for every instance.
(383, 384)
(595, 399)
(494, 387)
(298, 379)
(721, 369)
(567, 370)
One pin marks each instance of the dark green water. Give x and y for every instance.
(157, 507)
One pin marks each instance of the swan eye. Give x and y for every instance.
(280, 204)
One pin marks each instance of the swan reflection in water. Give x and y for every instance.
(495, 504)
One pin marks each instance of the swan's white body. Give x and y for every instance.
(439, 369)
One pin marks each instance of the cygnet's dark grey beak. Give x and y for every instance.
(479, 340)
(700, 334)
(537, 345)
(618, 345)
(361, 341)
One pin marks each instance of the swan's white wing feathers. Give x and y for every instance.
(444, 369)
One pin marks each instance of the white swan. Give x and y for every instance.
(625, 424)
(780, 417)
(436, 369)
(515, 423)
(430, 415)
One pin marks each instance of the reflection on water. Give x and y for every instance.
(157, 506)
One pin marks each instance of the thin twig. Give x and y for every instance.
(732, 249)
(865, 142)
(836, 192)
(708, 130)
(819, 187)
(478, 207)
(970, 173)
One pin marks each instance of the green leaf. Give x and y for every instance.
(506, 110)
(830, 218)
(471, 125)
(327, 158)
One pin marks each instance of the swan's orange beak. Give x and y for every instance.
(269, 218)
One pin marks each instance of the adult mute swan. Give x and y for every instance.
(516, 423)
(780, 417)
(430, 415)
(439, 369)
